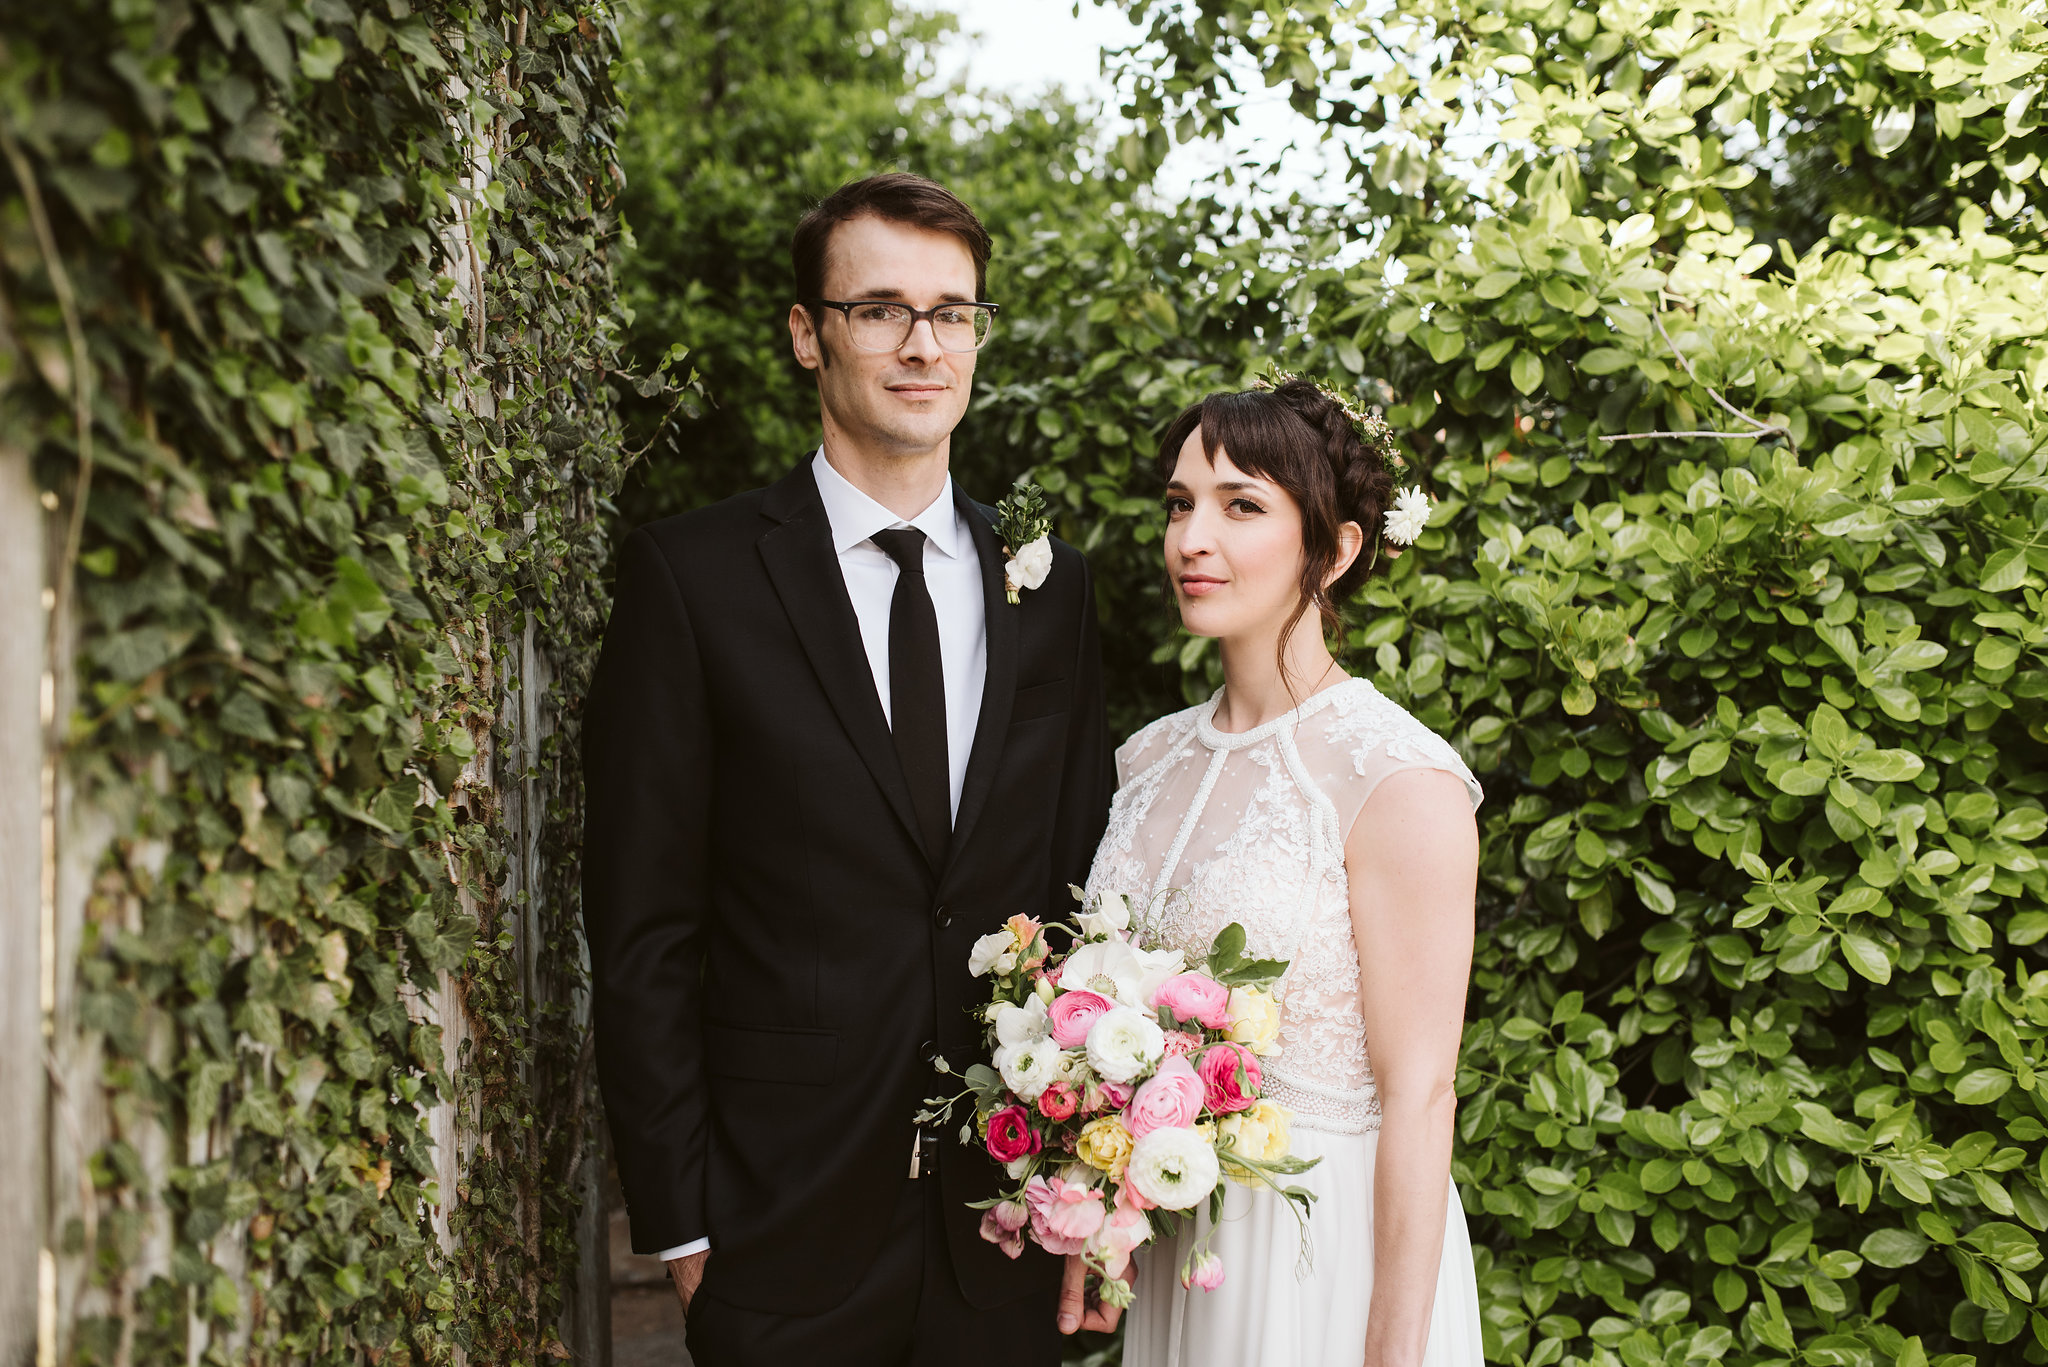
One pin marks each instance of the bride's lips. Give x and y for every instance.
(1197, 585)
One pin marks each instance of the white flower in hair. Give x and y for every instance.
(1409, 515)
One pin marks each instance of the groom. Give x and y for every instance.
(823, 754)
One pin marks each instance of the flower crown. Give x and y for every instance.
(1402, 522)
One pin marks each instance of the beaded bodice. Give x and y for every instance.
(1210, 827)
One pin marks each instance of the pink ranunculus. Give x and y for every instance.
(1010, 1135)
(1181, 1043)
(1195, 997)
(1058, 1102)
(1063, 1214)
(1002, 1224)
(1170, 1100)
(1218, 1066)
(1205, 1275)
(1074, 1013)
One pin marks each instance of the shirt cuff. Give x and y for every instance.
(668, 1255)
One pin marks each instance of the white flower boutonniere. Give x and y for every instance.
(1025, 528)
(1409, 515)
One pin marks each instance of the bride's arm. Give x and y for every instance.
(1413, 861)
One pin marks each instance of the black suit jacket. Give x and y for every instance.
(773, 954)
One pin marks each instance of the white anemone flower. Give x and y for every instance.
(1173, 1168)
(1409, 515)
(1109, 967)
(1123, 1043)
(1017, 1026)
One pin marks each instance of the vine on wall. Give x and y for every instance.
(307, 305)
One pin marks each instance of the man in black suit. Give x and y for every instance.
(823, 754)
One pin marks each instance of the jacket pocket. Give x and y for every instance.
(771, 1053)
(1039, 700)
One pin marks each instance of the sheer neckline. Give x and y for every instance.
(1205, 717)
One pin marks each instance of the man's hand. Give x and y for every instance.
(1078, 1310)
(688, 1275)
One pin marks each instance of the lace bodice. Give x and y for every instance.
(1210, 827)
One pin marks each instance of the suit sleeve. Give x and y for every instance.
(1089, 778)
(647, 757)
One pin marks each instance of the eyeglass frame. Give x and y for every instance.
(917, 315)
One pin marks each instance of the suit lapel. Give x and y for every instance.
(805, 571)
(1000, 688)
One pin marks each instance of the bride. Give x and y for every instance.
(1338, 831)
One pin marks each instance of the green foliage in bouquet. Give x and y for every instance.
(1726, 365)
(306, 310)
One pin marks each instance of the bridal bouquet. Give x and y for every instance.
(1121, 1087)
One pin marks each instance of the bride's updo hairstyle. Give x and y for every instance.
(1302, 441)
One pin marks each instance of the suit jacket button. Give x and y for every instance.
(942, 917)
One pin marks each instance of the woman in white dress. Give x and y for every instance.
(1339, 832)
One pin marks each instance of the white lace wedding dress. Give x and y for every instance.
(1251, 827)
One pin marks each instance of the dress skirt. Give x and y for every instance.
(1286, 1304)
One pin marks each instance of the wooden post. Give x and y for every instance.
(27, 1278)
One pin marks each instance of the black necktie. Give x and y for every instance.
(917, 692)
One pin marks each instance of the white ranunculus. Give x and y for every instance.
(1029, 1069)
(1123, 1043)
(1021, 1025)
(988, 949)
(1173, 1168)
(1409, 515)
(1031, 565)
(1110, 967)
(1112, 916)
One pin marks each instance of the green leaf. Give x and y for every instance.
(1526, 370)
(1894, 1247)
(1867, 957)
(1982, 1086)
(1605, 360)
(2005, 571)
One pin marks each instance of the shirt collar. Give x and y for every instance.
(855, 517)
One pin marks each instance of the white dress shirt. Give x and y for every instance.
(952, 575)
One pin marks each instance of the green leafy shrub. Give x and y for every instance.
(1752, 1069)
(308, 307)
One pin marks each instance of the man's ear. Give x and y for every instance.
(805, 341)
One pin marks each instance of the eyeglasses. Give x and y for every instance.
(877, 325)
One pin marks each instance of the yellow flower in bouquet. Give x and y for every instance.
(1260, 1133)
(1105, 1144)
(1255, 1020)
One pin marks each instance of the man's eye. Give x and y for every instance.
(950, 317)
(879, 313)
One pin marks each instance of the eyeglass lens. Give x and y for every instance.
(885, 327)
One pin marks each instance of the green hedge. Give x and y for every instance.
(332, 513)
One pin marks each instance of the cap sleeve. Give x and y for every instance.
(1371, 737)
(1147, 747)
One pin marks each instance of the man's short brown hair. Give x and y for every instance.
(897, 197)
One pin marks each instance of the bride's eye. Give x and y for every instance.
(1244, 507)
(1176, 506)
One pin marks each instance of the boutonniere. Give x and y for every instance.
(1025, 529)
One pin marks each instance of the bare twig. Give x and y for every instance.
(1760, 429)
(81, 372)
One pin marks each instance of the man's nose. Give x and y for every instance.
(922, 344)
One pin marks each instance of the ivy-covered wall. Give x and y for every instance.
(306, 340)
